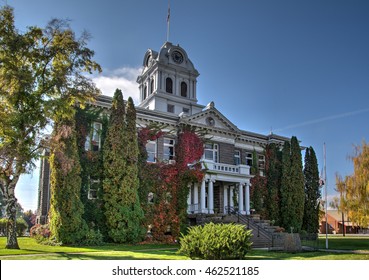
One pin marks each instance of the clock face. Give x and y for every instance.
(177, 57)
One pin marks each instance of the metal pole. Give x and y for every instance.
(168, 21)
(326, 199)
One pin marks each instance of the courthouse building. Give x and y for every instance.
(168, 97)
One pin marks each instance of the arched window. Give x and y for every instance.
(169, 85)
(152, 86)
(183, 89)
(145, 93)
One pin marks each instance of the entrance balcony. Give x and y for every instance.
(224, 168)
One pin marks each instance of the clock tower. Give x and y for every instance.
(168, 81)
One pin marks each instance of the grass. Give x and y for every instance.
(350, 242)
(30, 250)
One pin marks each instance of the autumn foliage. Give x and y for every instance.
(167, 184)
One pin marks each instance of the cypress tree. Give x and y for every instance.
(286, 187)
(114, 165)
(130, 183)
(297, 181)
(66, 208)
(312, 192)
(273, 174)
(122, 209)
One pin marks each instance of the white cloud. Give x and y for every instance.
(122, 78)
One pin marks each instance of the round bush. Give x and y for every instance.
(216, 242)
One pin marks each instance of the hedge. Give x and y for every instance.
(22, 226)
(216, 242)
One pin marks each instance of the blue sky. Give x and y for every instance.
(294, 67)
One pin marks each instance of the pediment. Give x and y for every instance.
(211, 118)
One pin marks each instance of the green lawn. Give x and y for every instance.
(30, 250)
(349, 242)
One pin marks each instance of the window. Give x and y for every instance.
(152, 84)
(237, 157)
(183, 89)
(170, 108)
(168, 149)
(93, 140)
(145, 92)
(94, 186)
(211, 152)
(261, 162)
(186, 110)
(169, 85)
(150, 198)
(249, 159)
(151, 151)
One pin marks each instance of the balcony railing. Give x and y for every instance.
(226, 168)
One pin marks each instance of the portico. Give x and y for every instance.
(224, 189)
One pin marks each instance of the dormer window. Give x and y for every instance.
(183, 89)
(169, 85)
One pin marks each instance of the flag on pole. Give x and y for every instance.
(168, 20)
(168, 16)
(321, 178)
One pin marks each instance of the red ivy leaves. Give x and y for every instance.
(169, 182)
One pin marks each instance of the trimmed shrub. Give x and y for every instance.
(216, 242)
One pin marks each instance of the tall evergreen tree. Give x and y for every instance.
(297, 182)
(312, 192)
(66, 209)
(286, 187)
(130, 183)
(114, 164)
(122, 209)
(273, 173)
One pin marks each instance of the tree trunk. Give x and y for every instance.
(11, 214)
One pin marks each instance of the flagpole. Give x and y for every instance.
(168, 21)
(326, 198)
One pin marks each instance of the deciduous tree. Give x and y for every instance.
(354, 189)
(41, 76)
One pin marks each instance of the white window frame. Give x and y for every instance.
(214, 150)
(94, 137)
(152, 153)
(92, 191)
(248, 158)
(237, 157)
(261, 162)
(169, 143)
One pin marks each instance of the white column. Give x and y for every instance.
(203, 197)
(231, 188)
(189, 199)
(240, 198)
(247, 199)
(211, 197)
(196, 197)
(225, 192)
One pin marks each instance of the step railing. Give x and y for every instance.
(250, 223)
